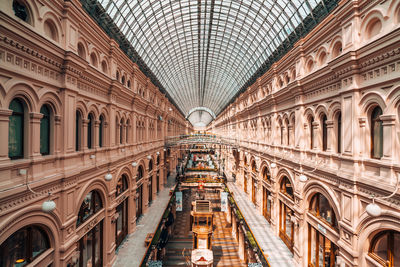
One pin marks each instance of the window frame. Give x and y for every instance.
(22, 115)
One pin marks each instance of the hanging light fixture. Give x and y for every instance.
(49, 205)
(273, 165)
(134, 164)
(158, 153)
(148, 157)
(108, 176)
(303, 178)
(373, 209)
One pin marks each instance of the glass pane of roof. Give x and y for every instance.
(204, 52)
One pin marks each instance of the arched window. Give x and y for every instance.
(281, 130)
(45, 130)
(50, 30)
(21, 11)
(287, 132)
(101, 130)
(311, 121)
(81, 51)
(93, 59)
(139, 173)
(122, 185)
(253, 167)
(321, 208)
(158, 160)
(127, 131)
(78, 130)
(266, 175)
(16, 130)
(324, 133)
(24, 246)
(385, 247)
(339, 132)
(123, 80)
(90, 131)
(373, 28)
(121, 130)
(337, 49)
(286, 187)
(376, 133)
(104, 66)
(150, 165)
(91, 205)
(117, 75)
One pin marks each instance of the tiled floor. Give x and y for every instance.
(131, 252)
(278, 254)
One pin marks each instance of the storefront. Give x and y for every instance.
(322, 229)
(267, 204)
(121, 213)
(286, 226)
(90, 245)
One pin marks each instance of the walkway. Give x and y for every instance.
(278, 254)
(131, 252)
(224, 246)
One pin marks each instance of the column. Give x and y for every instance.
(84, 135)
(388, 124)
(242, 246)
(33, 136)
(4, 119)
(57, 136)
(96, 134)
(316, 136)
(330, 136)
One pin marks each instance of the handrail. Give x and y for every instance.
(151, 243)
(263, 259)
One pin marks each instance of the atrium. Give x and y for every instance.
(199, 133)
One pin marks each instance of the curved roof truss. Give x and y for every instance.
(204, 53)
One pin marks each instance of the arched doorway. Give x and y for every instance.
(139, 193)
(267, 197)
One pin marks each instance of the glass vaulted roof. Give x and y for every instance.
(204, 52)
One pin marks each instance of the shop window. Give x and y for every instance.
(21, 11)
(321, 208)
(45, 130)
(286, 227)
(90, 131)
(122, 185)
(139, 173)
(16, 129)
(324, 133)
(90, 247)
(91, 204)
(286, 187)
(101, 130)
(50, 30)
(78, 130)
(376, 133)
(385, 247)
(267, 204)
(24, 246)
(321, 251)
(150, 165)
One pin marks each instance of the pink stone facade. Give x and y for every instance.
(60, 57)
(286, 124)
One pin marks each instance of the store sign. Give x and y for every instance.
(178, 200)
(224, 201)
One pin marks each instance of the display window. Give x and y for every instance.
(321, 251)
(385, 248)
